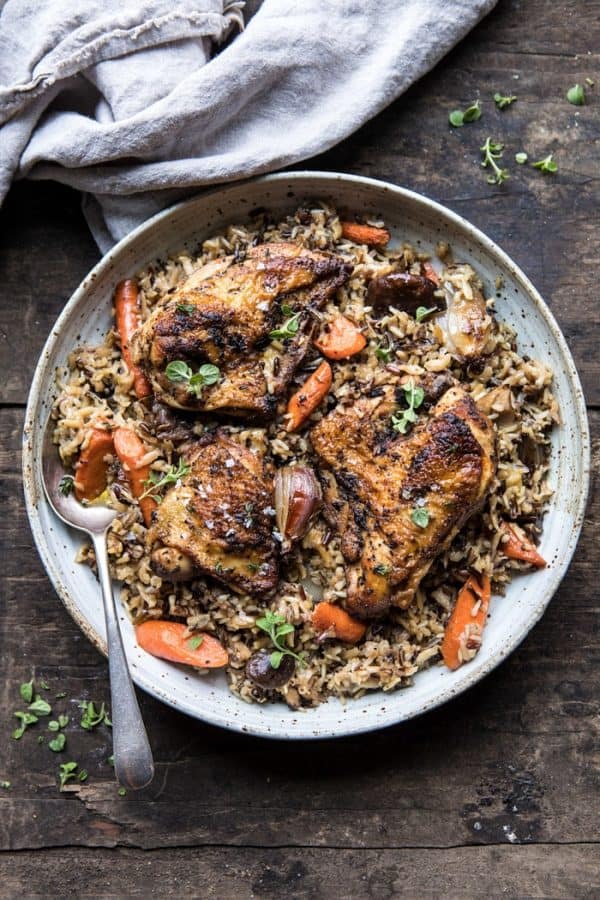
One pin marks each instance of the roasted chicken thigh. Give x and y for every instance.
(397, 501)
(223, 315)
(218, 520)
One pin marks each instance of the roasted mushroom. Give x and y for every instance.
(403, 290)
(260, 671)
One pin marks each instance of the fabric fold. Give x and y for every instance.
(138, 103)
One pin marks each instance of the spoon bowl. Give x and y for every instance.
(134, 766)
(92, 519)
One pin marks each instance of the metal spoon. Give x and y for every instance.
(134, 765)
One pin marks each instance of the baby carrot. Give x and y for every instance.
(130, 450)
(304, 401)
(365, 234)
(327, 617)
(340, 339)
(464, 628)
(172, 641)
(517, 545)
(92, 465)
(127, 317)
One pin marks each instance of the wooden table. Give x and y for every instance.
(495, 793)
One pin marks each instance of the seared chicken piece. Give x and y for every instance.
(218, 520)
(377, 482)
(223, 314)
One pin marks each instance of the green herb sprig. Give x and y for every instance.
(56, 738)
(158, 480)
(414, 397)
(576, 95)
(503, 101)
(179, 372)
(66, 485)
(40, 706)
(186, 308)
(36, 707)
(92, 717)
(26, 691)
(420, 516)
(546, 165)
(472, 113)
(68, 772)
(382, 569)
(26, 719)
(276, 627)
(492, 151)
(521, 157)
(57, 744)
(288, 329)
(383, 353)
(57, 724)
(424, 311)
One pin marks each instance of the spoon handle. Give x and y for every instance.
(134, 766)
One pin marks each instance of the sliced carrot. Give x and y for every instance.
(92, 466)
(340, 339)
(130, 450)
(465, 626)
(365, 234)
(327, 617)
(517, 545)
(172, 641)
(127, 316)
(429, 272)
(304, 401)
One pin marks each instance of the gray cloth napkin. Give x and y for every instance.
(137, 102)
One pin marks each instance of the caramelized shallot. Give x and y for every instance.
(465, 327)
(499, 404)
(297, 499)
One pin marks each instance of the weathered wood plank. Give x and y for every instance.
(535, 50)
(516, 759)
(308, 874)
(519, 760)
(45, 252)
(546, 223)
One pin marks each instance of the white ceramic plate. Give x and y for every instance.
(87, 317)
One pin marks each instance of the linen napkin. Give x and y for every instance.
(138, 103)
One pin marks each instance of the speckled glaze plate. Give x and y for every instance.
(87, 318)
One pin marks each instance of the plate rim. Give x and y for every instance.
(471, 677)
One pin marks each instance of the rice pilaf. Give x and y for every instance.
(96, 386)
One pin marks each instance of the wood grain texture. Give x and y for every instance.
(306, 874)
(514, 759)
(536, 50)
(495, 793)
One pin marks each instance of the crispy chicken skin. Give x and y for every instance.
(223, 314)
(218, 520)
(375, 480)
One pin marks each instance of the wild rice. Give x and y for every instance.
(95, 387)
